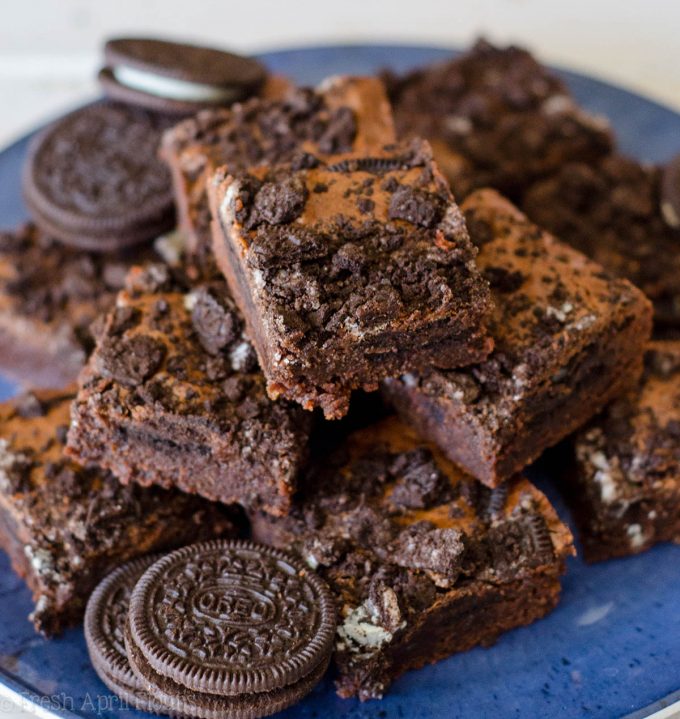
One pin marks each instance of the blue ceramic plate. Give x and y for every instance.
(612, 646)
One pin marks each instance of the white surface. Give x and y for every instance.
(50, 49)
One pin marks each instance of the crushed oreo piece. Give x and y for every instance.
(213, 320)
(130, 360)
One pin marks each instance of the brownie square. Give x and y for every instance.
(349, 270)
(626, 488)
(49, 296)
(172, 395)
(424, 560)
(343, 114)
(568, 339)
(66, 527)
(496, 117)
(611, 211)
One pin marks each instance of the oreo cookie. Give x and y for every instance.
(94, 180)
(105, 619)
(176, 77)
(670, 192)
(229, 628)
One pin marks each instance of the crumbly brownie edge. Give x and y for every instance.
(446, 629)
(146, 457)
(605, 537)
(492, 459)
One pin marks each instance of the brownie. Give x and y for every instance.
(626, 487)
(424, 560)
(348, 270)
(65, 527)
(568, 338)
(172, 395)
(495, 117)
(345, 113)
(611, 211)
(49, 296)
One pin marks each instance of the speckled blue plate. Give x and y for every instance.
(611, 648)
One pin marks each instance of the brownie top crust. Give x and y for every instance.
(508, 118)
(612, 211)
(342, 249)
(345, 113)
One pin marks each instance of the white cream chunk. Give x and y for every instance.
(172, 88)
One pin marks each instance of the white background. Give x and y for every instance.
(49, 49)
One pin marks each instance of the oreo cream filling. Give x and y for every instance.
(172, 88)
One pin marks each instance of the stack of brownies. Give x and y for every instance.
(351, 348)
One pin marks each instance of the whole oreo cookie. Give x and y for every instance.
(229, 628)
(93, 179)
(670, 192)
(176, 77)
(105, 619)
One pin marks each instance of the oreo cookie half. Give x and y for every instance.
(177, 77)
(229, 628)
(105, 619)
(94, 180)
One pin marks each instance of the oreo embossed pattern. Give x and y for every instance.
(229, 628)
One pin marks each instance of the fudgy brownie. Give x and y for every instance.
(568, 338)
(423, 559)
(612, 211)
(49, 296)
(65, 527)
(172, 395)
(495, 117)
(626, 488)
(345, 113)
(349, 270)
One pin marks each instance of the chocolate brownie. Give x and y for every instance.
(343, 114)
(612, 211)
(172, 395)
(424, 560)
(495, 117)
(49, 296)
(65, 527)
(568, 339)
(349, 270)
(626, 488)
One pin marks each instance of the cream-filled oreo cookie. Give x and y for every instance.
(177, 77)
